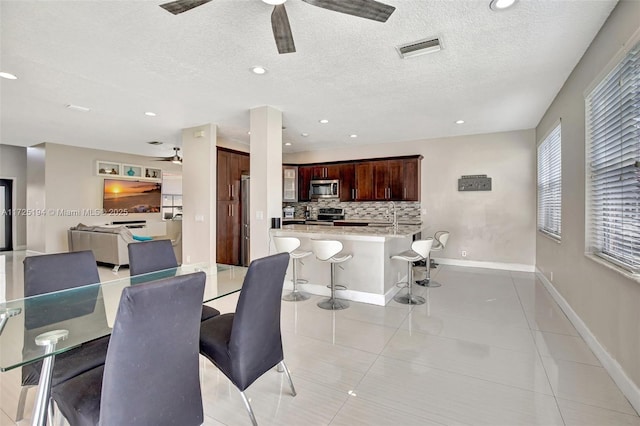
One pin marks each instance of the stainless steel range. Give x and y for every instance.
(327, 215)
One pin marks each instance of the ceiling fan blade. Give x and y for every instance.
(179, 6)
(282, 30)
(368, 9)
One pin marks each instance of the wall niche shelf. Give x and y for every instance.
(111, 169)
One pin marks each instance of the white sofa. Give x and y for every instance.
(108, 243)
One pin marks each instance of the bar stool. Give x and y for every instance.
(290, 245)
(329, 251)
(440, 239)
(419, 251)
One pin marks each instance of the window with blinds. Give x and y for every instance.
(550, 185)
(613, 165)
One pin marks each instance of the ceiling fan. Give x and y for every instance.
(175, 158)
(368, 9)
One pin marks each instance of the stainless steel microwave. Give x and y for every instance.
(329, 188)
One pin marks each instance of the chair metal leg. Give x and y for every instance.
(248, 407)
(409, 298)
(295, 295)
(21, 401)
(286, 371)
(427, 282)
(332, 303)
(42, 404)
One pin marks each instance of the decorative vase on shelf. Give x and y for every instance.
(130, 172)
(147, 174)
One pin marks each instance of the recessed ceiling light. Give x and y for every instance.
(353, 136)
(287, 143)
(460, 122)
(258, 70)
(8, 76)
(150, 114)
(78, 108)
(274, 2)
(324, 121)
(304, 135)
(498, 5)
(248, 133)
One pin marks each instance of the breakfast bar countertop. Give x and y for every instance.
(358, 232)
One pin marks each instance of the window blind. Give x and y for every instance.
(550, 184)
(613, 168)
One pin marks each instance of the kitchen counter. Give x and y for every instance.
(370, 276)
(360, 232)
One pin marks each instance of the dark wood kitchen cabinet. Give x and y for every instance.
(347, 182)
(231, 165)
(325, 171)
(305, 174)
(363, 181)
(388, 180)
(383, 179)
(412, 178)
(228, 223)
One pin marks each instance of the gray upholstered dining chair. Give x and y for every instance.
(151, 374)
(246, 344)
(157, 255)
(54, 272)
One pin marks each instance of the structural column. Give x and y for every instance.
(266, 176)
(198, 194)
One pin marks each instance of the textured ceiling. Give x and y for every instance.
(498, 71)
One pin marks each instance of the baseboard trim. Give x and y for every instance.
(519, 267)
(630, 390)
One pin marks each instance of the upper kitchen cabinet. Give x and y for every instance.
(289, 183)
(395, 179)
(325, 171)
(363, 190)
(231, 165)
(412, 179)
(384, 179)
(347, 182)
(305, 174)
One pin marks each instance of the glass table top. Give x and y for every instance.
(88, 312)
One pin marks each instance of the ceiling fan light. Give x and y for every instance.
(274, 2)
(176, 161)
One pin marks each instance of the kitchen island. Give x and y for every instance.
(370, 276)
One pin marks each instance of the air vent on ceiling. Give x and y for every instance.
(420, 47)
(155, 143)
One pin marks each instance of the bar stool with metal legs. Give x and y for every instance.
(419, 251)
(329, 251)
(440, 239)
(290, 245)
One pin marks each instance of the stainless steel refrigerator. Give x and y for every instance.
(245, 229)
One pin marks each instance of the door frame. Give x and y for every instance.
(12, 227)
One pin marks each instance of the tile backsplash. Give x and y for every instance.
(379, 211)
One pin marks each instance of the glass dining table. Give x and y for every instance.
(42, 326)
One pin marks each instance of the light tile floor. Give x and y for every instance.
(488, 348)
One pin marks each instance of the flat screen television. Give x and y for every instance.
(122, 196)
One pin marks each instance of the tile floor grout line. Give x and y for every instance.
(370, 366)
(546, 373)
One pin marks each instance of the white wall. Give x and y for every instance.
(13, 165)
(63, 177)
(605, 300)
(496, 226)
